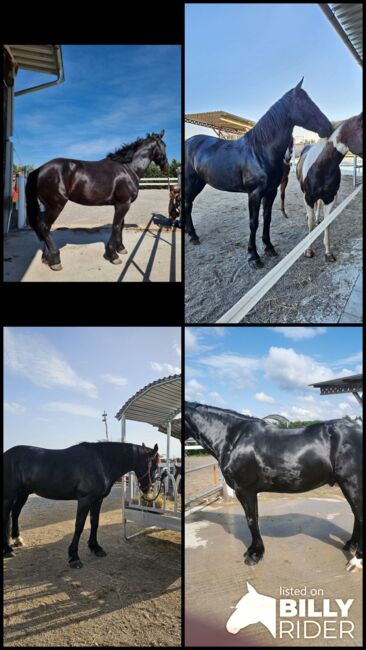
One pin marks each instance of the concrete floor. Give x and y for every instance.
(303, 537)
(81, 232)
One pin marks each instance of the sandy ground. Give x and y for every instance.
(129, 598)
(81, 232)
(303, 536)
(312, 291)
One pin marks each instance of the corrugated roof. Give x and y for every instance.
(346, 18)
(176, 428)
(349, 384)
(38, 58)
(349, 380)
(157, 403)
(221, 121)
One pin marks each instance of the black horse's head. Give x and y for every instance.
(306, 114)
(159, 155)
(147, 467)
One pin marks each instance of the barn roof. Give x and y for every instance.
(38, 58)
(346, 19)
(157, 403)
(347, 384)
(221, 121)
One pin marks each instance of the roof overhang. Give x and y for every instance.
(221, 121)
(158, 403)
(346, 19)
(38, 58)
(350, 384)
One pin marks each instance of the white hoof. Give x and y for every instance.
(18, 541)
(355, 563)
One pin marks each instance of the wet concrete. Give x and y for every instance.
(303, 537)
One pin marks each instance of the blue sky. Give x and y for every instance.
(58, 381)
(112, 94)
(241, 58)
(263, 370)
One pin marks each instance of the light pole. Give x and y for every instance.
(104, 419)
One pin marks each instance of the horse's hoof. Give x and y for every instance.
(196, 242)
(355, 563)
(75, 564)
(116, 261)
(350, 546)
(309, 252)
(100, 553)
(252, 559)
(124, 251)
(329, 257)
(256, 264)
(9, 554)
(271, 252)
(18, 541)
(56, 267)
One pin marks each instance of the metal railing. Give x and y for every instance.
(157, 181)
(218, 480)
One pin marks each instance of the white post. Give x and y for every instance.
(21, 201)
(354, 174)
(168, 432)
(123, 428)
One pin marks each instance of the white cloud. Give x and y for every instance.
(166, 368)
(14, 408)
(194, 391)
(177, 348)
(190, 341)
(73, 409)
(114, 379)
(216, 397)
(32, 356)
(353, 358)
(299, 333)
(246, 412)
(292, 370)
(262, 397)
(235, 368)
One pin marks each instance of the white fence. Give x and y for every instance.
(154, 182)
(236, 313)
(219, 483)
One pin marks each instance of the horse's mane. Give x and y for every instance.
(126, 152)
(262, 132)
(221, 411)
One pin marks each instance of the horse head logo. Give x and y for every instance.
(253, 608)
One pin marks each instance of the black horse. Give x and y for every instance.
(111, 181)
(255, 456)
(85, 472)
(252, 164)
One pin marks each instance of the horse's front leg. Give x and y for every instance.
(255, 198)
(82, 512)
(94, 523)
(249, 502)
(115, 242)
(311, 225)
(267, 215)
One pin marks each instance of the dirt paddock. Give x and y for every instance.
(312, 290)
(129, 598)
(303, 536)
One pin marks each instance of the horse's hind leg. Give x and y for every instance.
(15, 512)
(81, 515)
(94, 522)
(250, 504)
(352, 490)
(7, 551)
(193, 185)
(283, 190)
(115, 241)
(329, 256)
(51, 254)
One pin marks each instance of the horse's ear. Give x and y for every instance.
(143, 445)
(299, 84)
(251, 589)
(156, 448)
(161, 133)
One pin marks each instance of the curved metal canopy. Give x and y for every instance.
(157, 403)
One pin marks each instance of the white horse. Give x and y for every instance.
(253, 608)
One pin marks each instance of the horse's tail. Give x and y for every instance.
(31, 192)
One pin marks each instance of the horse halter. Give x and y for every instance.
(148, 472)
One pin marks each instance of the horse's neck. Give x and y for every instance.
(141, 161)
(120, 457)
